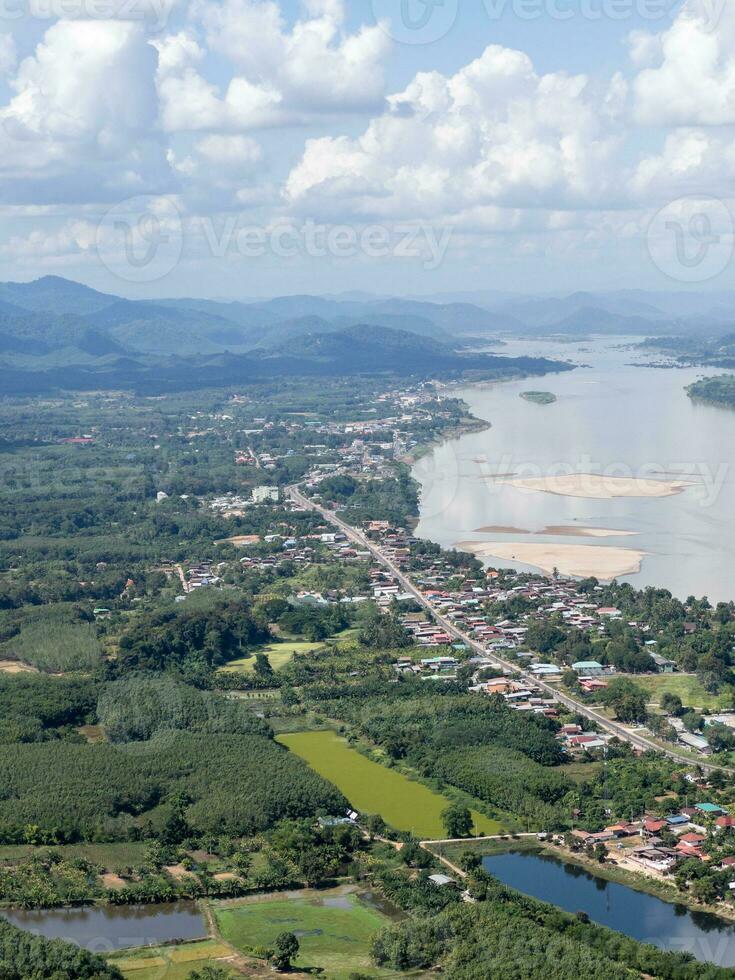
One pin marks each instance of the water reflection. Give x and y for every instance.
(641, 916)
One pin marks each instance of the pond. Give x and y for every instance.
(636, 914)
(103, 929)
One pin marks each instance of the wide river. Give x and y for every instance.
(641, 916)
(613, 419)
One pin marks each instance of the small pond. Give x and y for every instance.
(103, 929)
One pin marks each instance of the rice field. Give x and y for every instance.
(404, 803)
(173, 962)
(334, 930)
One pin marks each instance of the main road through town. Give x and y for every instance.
(621, 731)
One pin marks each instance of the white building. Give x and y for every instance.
(263, 495)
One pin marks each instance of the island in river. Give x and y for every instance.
(718, 390)
(600, 485)
(539, 397)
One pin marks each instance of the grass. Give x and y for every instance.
(111, 857)
(334, 930)
(173, 962)
(487, 848)
(579, 772)
(278, 655)
(404, 803)
(691, 692)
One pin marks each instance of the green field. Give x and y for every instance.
(112, 857)
(278, 655)
(170, 962)
(691, 692)
(371, 788)
(334, 929)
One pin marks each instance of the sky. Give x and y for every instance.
(244, 148)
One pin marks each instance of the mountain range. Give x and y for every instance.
(56, 327)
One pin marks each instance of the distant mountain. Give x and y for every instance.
(244, 314)
(370, 346)
(590, 320)
(42, 333)
(150, 327)
(408, 322)
(54, 295)
(359, 350)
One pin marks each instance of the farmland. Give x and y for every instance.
(371, 788)
(334, 929)
(170, 962)
(688, 688)
(278, 654)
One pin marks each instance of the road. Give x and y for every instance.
(620, 731)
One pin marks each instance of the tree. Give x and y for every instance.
(263, 667)
(209, 973)
(286, 948)
(627, 698)
(457, 820)
(671, 704)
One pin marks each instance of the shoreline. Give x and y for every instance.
(637, 881)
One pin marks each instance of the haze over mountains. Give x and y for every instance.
(53, 323)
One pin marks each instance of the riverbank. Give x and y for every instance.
(455, 432)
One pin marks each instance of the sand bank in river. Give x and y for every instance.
(600, 486)
(581, 560)
(560, 530)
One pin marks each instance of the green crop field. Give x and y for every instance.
(371, 788)
(691, 692)
(278, 655)
(112, 857)
(170, 962)
(334, 930)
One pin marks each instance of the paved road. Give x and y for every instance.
(623, 733)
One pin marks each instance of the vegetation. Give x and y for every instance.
(171, 962)
(404, 803)
(539, 397)
(720, 390)
(27, 957)
(334, 930)
(102, 792)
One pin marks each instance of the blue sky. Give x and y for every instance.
(246, 147)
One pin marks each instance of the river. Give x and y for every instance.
(641, 916)
(102, 929)
(610, 418)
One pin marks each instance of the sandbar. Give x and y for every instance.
(578, 560)
(559, 530)
(599, 486)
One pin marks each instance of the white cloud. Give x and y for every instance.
(87, 80)
(229, 151)
(695, 82)
(7, 54)
(81, 123)
(496, 132)
(280, 75)
(691, 161)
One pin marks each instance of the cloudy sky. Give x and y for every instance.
(237, 148)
